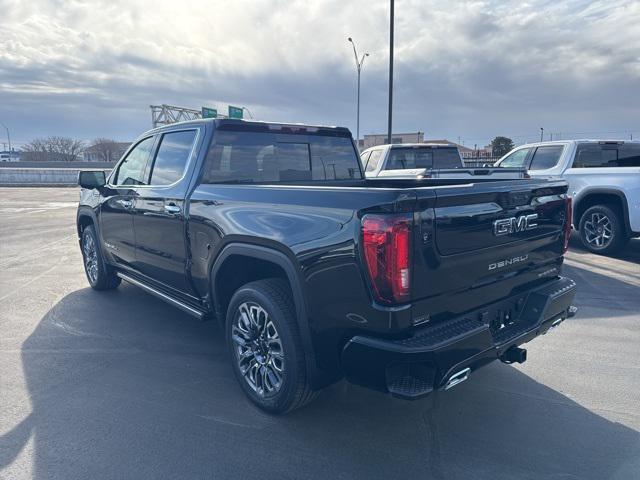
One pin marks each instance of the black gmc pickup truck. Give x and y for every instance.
(316, 273)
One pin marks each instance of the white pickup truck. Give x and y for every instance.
(426, 160)
(604, 181)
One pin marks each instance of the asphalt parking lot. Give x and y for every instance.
(120, 385)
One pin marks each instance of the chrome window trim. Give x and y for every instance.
(161, 135)
(124, 157)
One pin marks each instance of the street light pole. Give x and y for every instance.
(8, 138)
(390, 72)
(359, 63)
(541, 133)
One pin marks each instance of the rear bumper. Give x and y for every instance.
(438, 356)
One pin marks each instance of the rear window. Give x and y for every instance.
(446, 158)
(254, 157)
(405, 158)
(546, 157)
(592, 155)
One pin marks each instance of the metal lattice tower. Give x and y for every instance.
(167, 114)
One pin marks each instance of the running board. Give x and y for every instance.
(181, 305)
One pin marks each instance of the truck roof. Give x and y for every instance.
(415, 145)
(256, 125)
(580, 140)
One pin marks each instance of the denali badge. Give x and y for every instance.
(508, 261)
(505, 226)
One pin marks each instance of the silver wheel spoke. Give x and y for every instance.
(90, 257)
(598, 230)
(258, 349)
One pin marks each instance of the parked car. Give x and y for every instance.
(604, 181)
(425, 160)
(316, 273)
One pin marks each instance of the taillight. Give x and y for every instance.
(568, 212)
(386, 243)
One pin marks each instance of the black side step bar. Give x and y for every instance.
(181, 305)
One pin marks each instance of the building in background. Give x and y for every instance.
(381, 138)
(464, 151)
(105, 151)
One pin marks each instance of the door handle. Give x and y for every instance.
(125, 203)
(172, 209)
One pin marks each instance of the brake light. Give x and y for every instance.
(567, 223)
(387, 247)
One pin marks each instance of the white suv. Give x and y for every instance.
(604, 180)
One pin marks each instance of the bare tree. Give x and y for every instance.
(105, 148)
(64, 149)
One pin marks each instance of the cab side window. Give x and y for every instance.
(374, 160)
(516, 159)
(364, 158)
(172, 156)
(131, 170)
(546, 157)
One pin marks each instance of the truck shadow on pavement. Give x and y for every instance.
(124, 386)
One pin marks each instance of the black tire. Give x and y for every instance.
(99, 274)
(602, 230)
(255, 356)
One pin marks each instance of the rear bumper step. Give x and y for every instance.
(441, 356)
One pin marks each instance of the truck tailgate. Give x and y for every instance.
(477, 243)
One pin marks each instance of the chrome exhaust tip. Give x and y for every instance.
(457, 378)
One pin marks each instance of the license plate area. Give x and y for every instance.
(505, 319)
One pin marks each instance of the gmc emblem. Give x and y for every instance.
(505, 226)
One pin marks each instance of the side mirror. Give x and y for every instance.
(91, 178)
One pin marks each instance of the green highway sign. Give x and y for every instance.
(235, 112)
(209, 112)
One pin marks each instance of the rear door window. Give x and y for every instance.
(516, 159)
(546, 157)
(172, 156)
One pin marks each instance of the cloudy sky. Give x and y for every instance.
(468, 69)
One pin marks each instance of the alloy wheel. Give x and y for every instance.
(598, 230)
(90, 257)
(258, 349)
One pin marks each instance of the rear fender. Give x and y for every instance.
(295, 281)
(584, 196)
